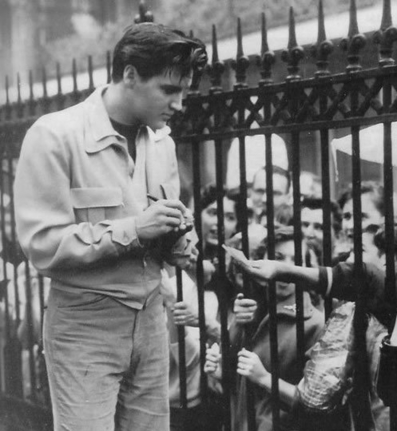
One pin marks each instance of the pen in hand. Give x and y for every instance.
(152, 198)
(187, 223)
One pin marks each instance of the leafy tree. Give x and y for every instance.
(189, 15)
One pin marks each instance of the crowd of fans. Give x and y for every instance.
(251, 359)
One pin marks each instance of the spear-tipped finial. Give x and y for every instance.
(240, 51)
(45, 101)
(90, 73)
(74, 75)
(294, 54)
(292, 32)
(32, 102)
(241, 64)
(386, 36)
(217, 67)
(8, 108)
(354, 42)
(265, 45)
(7, 85)
(19, 98)
(267, 57)
(321, 23)
(60, 98)
(144, 15)
(353, 23)
(215, 56)
(31, 93)
(59, 78)
(108, 67)
(386, 15)
(324, 47)
(76, 94)
(44, 81)
(20, 106)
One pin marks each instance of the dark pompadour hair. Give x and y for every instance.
(317, 204)
(154, 49)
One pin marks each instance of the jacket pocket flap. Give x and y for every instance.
(96, 197)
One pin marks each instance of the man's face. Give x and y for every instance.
(156, 99)
(370, 215)
(259, 199)
(209, 221)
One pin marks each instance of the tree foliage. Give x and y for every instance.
(197, 16)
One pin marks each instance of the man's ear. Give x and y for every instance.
(130, 74)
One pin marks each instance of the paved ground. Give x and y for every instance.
(22, 420)
(4, 427)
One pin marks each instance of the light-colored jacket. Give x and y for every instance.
(77, 195)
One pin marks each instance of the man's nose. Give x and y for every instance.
(176, 103)
(309, 231)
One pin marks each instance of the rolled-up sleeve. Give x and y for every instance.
(45, 220)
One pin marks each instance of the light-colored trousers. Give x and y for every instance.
(107, 363)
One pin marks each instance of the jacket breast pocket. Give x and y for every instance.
(96, 204)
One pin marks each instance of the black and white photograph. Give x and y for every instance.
(198, 215)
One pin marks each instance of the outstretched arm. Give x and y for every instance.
(264, 270)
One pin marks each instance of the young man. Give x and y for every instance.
(281, 186)
(312, 224)
(85, 221)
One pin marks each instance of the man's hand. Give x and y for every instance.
(161, 218)
(244, 308)
(249, 365)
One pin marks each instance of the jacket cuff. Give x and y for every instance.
(124, 233)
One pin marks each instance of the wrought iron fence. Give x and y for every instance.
(350, 100)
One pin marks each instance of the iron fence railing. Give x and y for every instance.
(349, 100)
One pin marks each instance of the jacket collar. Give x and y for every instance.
(102, 130)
